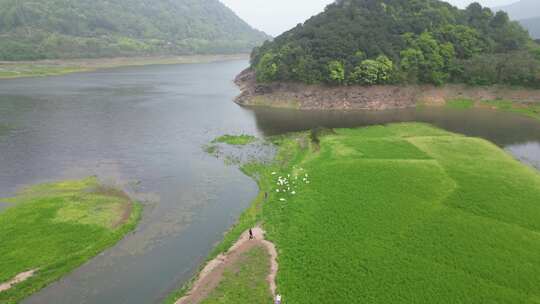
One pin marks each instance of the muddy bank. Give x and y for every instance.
(311, 97)
(18, 69)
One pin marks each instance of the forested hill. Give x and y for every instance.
(37, 29)
(401, 41)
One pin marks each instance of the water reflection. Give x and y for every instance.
(499, 127)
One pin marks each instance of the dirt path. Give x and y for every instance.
(21, 277)
(212, 273)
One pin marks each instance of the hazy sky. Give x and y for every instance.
(277, 16)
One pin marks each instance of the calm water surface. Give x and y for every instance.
(142, 128)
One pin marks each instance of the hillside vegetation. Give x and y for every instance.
(404, 213)
(33, 29)
(401, 41)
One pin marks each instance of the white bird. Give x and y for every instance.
(282, 199)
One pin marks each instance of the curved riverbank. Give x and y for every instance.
(50, 229)
(382, 97)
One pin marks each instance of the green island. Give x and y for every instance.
(235, 140)
(48, 230)
(401, 213)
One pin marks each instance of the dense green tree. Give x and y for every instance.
(267, 69)
(427, 41)
(369, 72)
(336, 72)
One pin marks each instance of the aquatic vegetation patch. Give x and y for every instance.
(55, 227)
(235, 140)
(460, 104)
(212, 149)
(4, 129)
(531, 109)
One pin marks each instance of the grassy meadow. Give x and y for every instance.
(55, 227)
(404, 213)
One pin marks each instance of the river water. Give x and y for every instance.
(143, 128)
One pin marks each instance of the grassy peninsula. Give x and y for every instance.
(403, 213)
(53, 228)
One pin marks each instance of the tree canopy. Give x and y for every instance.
(401, 41)
(35, 29)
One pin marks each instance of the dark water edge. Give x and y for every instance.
(517, 134)
(143, 128)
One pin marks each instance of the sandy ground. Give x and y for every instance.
(212, 273)
(18, 279)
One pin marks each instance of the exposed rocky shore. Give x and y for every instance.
(310, 97)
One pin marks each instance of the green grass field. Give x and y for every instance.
(56, 227)
(404, 213)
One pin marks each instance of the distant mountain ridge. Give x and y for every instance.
(532, 25)
(527, 12)
(36, 29)
(523, 9)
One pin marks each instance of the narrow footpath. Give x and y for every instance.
(212, 274)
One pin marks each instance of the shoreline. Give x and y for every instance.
(56, 67)
(249, 218)
(382, 97)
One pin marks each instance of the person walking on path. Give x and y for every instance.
(251, 237)
(278, 299)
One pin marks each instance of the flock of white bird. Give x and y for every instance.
(289, 184)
